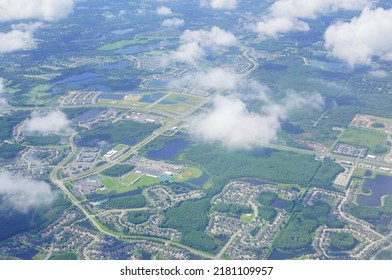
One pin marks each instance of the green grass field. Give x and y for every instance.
(120, 147)
(363, 137)
(137, 40)
(177, 103)
(125, 185)
(145, 181)
(130, 178)
(189, 173)
(110, 183)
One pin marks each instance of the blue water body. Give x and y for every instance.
(92, 113)
(78, 78)
(380, 186)
(368, 173)
(279, 203)
(99, 87)
(255, 182)
(189, 187)
(157, 83)
(279, 255)
(112, 96)
(201, 180)
(169, 151)
(326, 65)
(131, 193)
(116, 65)
(177, 100)
(151, 98)
(28, 255)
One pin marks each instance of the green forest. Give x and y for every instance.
(191, 219)
(298, 234)
(124, 132)
(117, 170)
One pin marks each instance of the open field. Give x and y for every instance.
(363, 137)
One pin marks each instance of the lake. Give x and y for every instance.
(380, 186)
(169, 151)
(28, 255)
(112, 96)
(279, 203)
(201, 180)
(88, 115)
(80, 77)
(280, 255)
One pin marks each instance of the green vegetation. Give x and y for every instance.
(130, 178)
(52, 140)
(9, 151)
(110, 183)
(14, 222)
(267, 164)
(7, 123)
(65, 256)
(137, 40)
(359, 172)
(326, 174)
(234, 209)
(267, 213)
(146, 181)
(373, 213)
(120, 147)
(267, 198)
(385, 255)
(305, 220)
(125, 131)
(191, 219)
(177, 103)
(117, 170)
(138, 217)
(374, 140)
(137, 201)
(343, 241)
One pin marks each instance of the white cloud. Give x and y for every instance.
(285, 15)
(163, 11)
(3, 101)
(378, 74)
(173, 22)
(231, 122)
(188, 53)
(19, 38)
(48, 10)
(219, 4)
(24, 194)
(357, 42)
(214, 78)
(194, 43)
(215, 37)
(55, 121)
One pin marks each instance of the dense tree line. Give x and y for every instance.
(138, 217)
(343, 241)
(43, 140)
(304, 222)
(136, 201)
(126, 132)
(10, 151)
(234, 209)
(191, 219)
(326, 174)
(117, 170)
